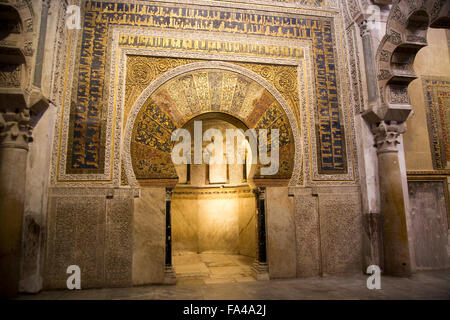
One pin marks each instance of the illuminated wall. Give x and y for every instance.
(214, 220)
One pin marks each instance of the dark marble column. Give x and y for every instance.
(169, 277)
(260, 266)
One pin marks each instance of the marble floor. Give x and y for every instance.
(208, 268)
(422, 285)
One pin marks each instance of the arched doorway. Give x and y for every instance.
(170, 103)
(213, 208)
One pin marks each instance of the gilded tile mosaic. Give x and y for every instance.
(194, 93)
(87, 123)
(437, 104)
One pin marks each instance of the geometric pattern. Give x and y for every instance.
(87, 126)
(437, 106)
(194, 93)
(308, 3)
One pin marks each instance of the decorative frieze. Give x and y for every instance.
(384, 74)
(10, 75)
(398, 95)
(395, 37)
(384, 55)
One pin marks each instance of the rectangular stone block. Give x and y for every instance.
(247, 226)
(149, 230)
(307, 235)
(76, 236)
(429, 223)
(281, 249)
(340, 229)
(119, 241)
(184, 224)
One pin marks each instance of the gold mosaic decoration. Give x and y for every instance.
(142, 70)
(87, 130)
(437, 107)
(283, 78)
(194, 93)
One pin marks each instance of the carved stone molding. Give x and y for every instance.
(10, 75)
(17, 43)
(19, 100)
(406, 31)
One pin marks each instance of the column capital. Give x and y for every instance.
(364, 28)
(260, 192)
(386, 135)
(15, 129)
(169, 192)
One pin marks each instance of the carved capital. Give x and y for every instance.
(260, 192)
(169, 192)
(364, 29)
(387, 134)
(15, 129)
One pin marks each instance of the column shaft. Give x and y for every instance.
(372, 87)
(12, 194)
(397, 260)
(15, 134)
(261, 225)
(260, 266)
(168, 234)
(169, 274)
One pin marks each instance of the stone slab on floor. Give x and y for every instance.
(422, 285)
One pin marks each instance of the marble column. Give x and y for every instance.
(169, 274)
(260, 266)
(15, 134)
(397, 260)
(372, 87)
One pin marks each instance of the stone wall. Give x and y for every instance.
(91, 228)
(340, 229)
(314, 231)
(325, 232)
(280, 233)
(149, 231)
(426, 153)
(214, 220)
(111, 236)
(429, 223)
(432, 61)
(36, 199)
(247, 226)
